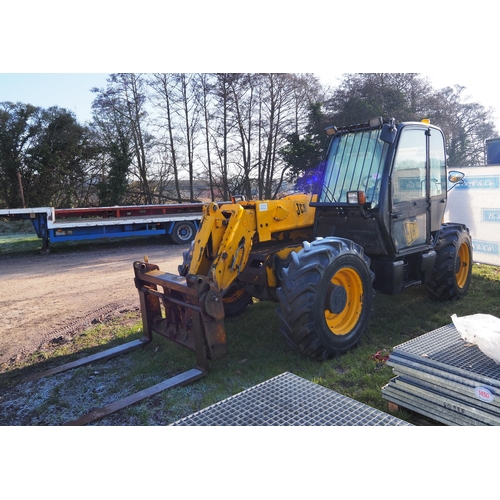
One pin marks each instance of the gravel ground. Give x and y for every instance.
(44, 297)
(46, 300)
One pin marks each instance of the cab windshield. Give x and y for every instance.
(355, 163)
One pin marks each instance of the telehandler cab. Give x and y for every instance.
(373, 222)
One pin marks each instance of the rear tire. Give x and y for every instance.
(325, 297)
(452, 271)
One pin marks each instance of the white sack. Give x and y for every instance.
(482, 330)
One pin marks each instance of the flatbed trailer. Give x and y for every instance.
(52, 225)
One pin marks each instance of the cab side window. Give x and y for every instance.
(409, 176)
(437, 163)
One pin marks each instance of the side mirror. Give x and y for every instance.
(456, 178)
(388, 133)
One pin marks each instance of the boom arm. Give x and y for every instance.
(227, 234)
(223, 243)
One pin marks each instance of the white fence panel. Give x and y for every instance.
(477, 204)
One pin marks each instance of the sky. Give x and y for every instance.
(66, 90)
(72, 90)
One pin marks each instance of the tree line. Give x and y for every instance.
(163, 138)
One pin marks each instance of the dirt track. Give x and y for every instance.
(43, 297)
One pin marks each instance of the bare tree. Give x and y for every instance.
(223, 102)
(243, 88)
(276, 118)
(126, 94)
(188, 111)
(467, 125)
(203, 95)
(164, 96)
(113, 130)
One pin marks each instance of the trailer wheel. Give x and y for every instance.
(183, 232)
(325, 297)
(452, 271)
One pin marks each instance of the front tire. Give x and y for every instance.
(452, 271)
(325, 297)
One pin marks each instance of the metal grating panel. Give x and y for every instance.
(391, 393)
(451, 403)
(444, 348)
(438, 374)
(288, 400)
(465, 392)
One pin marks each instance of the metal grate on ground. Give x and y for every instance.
(447, 381)
(289, 400)
(435, 384)
(444, 348)
(439, 375)
(454, 407)
(423, 407)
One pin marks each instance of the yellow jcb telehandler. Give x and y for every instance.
(374, 222)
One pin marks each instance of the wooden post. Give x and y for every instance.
(21, 189)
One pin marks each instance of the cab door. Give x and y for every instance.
(410, 202)
(437, 178)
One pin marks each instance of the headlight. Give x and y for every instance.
(356, 197)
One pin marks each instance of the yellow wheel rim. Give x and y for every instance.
(463, 262)
(233, 296)
(344, 322)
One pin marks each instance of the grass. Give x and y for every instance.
(256, 352)
(18, 237)
(16, 243)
